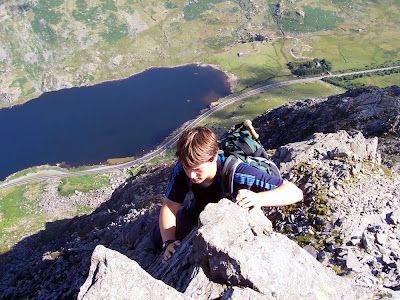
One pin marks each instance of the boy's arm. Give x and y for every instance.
(285, 194)
(167, 219)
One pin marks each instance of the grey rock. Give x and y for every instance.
(301, 13)
(322, 257)
(386, 259)
(330, 240)
(356, 169)
(334, 145)
(237, 293)
(202, 288)
(395, 254)
(372, 111)
(394, 217)
(383, 250)
(179, 271)
(352, 261)
(366, 242)
(342, 252)
(354, 241)
(374, 228)
(339, 222)
(115, 276)
(219, 250)
(330, 248)
(311, 250)
(381, 238)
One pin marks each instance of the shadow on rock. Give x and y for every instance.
(54, 262)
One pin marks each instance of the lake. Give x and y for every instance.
(88, 125)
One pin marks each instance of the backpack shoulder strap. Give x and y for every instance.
(228, 172)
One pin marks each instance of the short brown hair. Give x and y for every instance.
(196, 146)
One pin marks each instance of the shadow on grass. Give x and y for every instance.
(262, 76)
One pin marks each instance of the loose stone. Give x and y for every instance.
(381, 238)
(394, 217)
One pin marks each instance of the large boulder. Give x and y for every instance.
(233, 254)
(321, 148)
(115, 276)
(245, 252)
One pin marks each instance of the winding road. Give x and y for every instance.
(46, 174)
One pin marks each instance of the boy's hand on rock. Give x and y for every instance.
(171, 248)
(248, 199)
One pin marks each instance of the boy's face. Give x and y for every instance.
(202, 172)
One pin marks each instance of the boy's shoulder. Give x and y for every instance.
(178, 167)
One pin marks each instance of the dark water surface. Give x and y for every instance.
(88, 125)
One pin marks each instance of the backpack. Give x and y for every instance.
(241, 144)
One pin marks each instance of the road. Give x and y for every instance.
(46, 174)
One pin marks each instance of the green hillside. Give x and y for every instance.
(48, 45)
(52, 44)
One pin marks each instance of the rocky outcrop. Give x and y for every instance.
(115, 276)
(123, 223)
(349, 195)
(344, 220)
(248, 257)
(372, 111)
(321, 148)
(249, 254)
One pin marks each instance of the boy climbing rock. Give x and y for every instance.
(199, 172)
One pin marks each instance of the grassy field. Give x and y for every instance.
(83, 210)
(254, 106)
(261, 62)
(14, 205)
(83, 184)
(361, 41)
(375, 80)
(120, 160)
(315, 19)
(80, 42)
(20, 214)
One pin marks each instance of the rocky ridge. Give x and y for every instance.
(247, 259)
(351, 183)
(332, 148)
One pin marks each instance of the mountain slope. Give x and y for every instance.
(339, 171)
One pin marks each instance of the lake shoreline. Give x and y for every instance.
(231, 80)
(206, 73)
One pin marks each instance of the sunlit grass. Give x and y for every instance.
(85, 183)
(379, 81)
(20, 214)
(252, 107)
